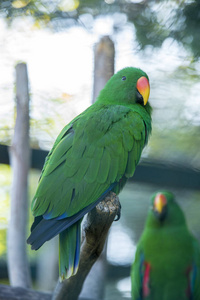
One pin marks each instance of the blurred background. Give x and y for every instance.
(56, 40)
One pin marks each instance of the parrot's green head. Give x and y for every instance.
(128, 86)
(164, 210)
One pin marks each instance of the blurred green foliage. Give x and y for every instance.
(154, 21)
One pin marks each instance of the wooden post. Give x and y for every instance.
(104, 57)
(20, 160)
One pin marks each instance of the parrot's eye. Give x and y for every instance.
(124, 78)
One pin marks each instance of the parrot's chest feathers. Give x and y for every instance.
(163, 250)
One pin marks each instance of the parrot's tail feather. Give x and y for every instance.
(44, 230)
(37, 220)
(69, 251)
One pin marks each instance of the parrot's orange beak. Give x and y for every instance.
(160, 202)
(143, 88)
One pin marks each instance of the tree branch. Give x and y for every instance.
(95, 230)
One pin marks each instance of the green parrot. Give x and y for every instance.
(167, 260)
(94, 154)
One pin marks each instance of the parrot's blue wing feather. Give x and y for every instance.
(45, 229)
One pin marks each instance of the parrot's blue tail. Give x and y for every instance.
(69, 250)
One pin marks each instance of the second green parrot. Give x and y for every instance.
(94, 154)
(167, 261)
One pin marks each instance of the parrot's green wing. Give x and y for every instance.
(89, 156)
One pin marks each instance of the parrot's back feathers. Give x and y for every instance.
(94, 154)
(167, 260)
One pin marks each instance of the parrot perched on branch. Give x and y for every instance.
(94, 154)
(167, 261)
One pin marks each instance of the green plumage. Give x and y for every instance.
(167, 261)
(94, 154)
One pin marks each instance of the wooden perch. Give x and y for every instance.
(95, 282)
(95, 230)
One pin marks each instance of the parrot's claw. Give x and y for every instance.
(118, 215)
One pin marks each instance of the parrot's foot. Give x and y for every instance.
(118, 215)
(111, 205)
